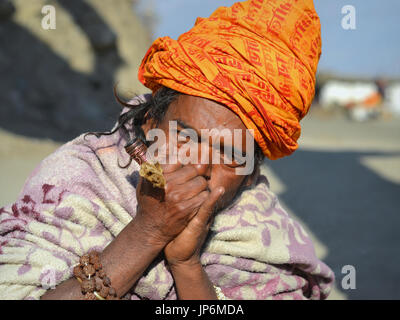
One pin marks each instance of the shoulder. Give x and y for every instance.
(81, 160)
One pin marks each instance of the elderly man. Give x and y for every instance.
(214, 233)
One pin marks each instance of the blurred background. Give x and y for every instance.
(343, 184)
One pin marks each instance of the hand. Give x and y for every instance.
(185, 248)
(163, 214)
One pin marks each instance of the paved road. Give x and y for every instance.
(344, 185)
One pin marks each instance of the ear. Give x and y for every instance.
(148, 123)
(252, 179)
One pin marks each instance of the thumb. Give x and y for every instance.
(207, 208)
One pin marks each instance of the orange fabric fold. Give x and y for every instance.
(258, 58)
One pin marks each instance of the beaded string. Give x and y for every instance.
(94, 282)
(89, 268)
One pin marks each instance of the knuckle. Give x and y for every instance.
(169, 188)
(191, 170)
(203, 196)
(168, 177)
(199, 182)
(169, 168)
(175, 197)
(181, 207)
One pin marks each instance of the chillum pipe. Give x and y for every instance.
(137, 150)
(150, 171)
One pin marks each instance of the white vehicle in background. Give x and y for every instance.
(344, 93)
(361, 100)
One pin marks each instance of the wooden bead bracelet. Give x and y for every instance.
(95, 284)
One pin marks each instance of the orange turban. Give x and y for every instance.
(258, 58)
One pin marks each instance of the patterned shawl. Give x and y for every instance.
(78, 199)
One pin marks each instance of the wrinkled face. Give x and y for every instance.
(197, 114)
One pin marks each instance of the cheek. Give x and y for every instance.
(226, 178)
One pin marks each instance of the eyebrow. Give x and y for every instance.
(186, 126)
(222, 145)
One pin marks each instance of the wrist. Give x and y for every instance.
(192, 265)
(192, 282)
(127, 256)
(147, 236)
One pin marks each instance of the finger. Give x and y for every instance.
(207, 208)
(187, 190)
(191, 204)
(171, 167)
(181, 175)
